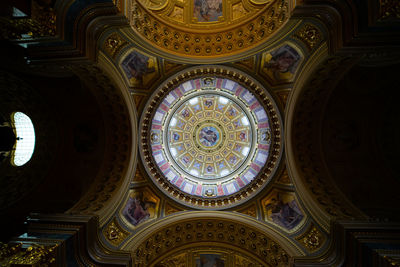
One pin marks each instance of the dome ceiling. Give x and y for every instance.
(210, 137)
(206, 28)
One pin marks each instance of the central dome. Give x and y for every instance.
(209, 138)
(209, 135)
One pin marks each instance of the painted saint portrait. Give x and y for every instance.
(282, 63)
(283, 210)
(208, 136)
(210, 260)
(140, 207)
(137, 67)
(207, 10)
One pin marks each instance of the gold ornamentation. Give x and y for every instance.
(310, 35)
(389, 9)
(169, 209)
(238, 11)
(113, 44)
(283, 96)
(154, 4)
(312, 239)
(251, 211)
(34, 255)
(169, 66)
(248, 63)
(41, 24)
(256, 89)
(179, 260)
(284, 178)
(198, 40)
(138, 175)
(177, 14)
(212, 231)
(114, 233)
(119, 4)
(138, 98)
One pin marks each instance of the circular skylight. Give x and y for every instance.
(208, 138)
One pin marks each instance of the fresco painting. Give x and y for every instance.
(207, 10)
(282, 209)
(140, 207)
(139, 68)
(281, 63)
(210, 260)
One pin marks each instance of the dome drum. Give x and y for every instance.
(207, 138)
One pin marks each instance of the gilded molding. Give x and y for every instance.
(250, 210)
(179, 260)
(203, 42)
(312, 239)
(247, 191)
(170, 209)
(217, 253)
(284, 178)
(41, 23)
(114, 233)
(138, 176)
(169, 66)
(34, 255)
(309, 35)
(113, 44)
(283, 96)
(247, 63)
(202, 230)
(389, 9)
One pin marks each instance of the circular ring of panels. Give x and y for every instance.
(208, 138)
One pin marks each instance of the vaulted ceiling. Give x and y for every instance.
(102, 82)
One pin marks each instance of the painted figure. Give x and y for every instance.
(285, 214)
(232, 159)
(185, 113)
(209, 169)
(282, 63)
(237, 148)
(136, 66)
(185, 159)
(137, 209)
(208, 103)
(210, 260)
(176, 136)
(266, 136)
(237, 123)
(232, 112)
(208, 136)
(242, 136)
(207, 10)
(284, 59)
(154, 137)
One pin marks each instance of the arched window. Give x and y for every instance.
(25, 143)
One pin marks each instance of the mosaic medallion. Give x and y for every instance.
(210, 137)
